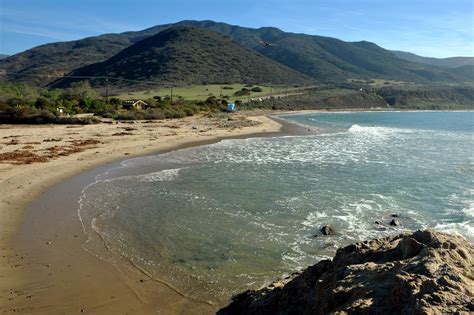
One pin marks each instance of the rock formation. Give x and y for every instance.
(327, 230)
(425, 272)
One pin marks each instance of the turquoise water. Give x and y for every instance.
(236, 214)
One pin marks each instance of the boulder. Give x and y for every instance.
(425, 272)
(327, 230)
(395, 222)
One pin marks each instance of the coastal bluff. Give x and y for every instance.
(425, 272)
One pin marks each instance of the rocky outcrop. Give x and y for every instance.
(425, 272)
(327, 230)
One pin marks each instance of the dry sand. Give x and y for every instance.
(43, 269)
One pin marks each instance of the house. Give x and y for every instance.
(135, 104)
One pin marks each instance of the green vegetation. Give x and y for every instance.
(323, 59)
(185, 56)
(327, 98)
(202, 92)
(21, 103)
(452, 62)
(429, 97)
(43, 64)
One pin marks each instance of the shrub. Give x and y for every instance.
(242, 92)
(175, 114)
(188, 112)
(154, 115)
(256, 89)
(130, 115)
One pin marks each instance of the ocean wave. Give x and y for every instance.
(161, 176)
(465, 229)
(376, 130)
(469, 210)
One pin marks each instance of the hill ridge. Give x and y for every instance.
(184, 55)
(323, 58)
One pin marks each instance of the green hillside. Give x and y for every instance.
(322, 58)
(42, 64)
(328, 59)
(452, 62)
(187, 55)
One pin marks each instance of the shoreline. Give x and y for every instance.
(23, 267)
(371, 110)
(49, 247)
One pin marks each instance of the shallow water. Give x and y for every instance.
(236, 214)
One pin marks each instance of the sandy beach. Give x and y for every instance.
(43, 269)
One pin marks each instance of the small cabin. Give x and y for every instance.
(135, 104)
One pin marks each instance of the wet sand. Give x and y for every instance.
(43, 268)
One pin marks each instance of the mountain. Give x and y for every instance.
(452, 62)
(42, 64)
(186, 55)
(3, 56)
(322, 58)
(466, 71)
(329, 59)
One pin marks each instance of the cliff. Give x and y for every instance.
(425, 272)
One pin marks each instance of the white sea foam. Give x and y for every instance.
(161, 176)
(314, 218)
(376, 130)
(465, 229)
(469, 210)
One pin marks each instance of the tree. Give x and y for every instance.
(82, 90)
(42, 103)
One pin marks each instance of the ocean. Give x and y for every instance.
(214, 220)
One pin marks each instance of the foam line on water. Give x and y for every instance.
(161, 176)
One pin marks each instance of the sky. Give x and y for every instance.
(434, 28)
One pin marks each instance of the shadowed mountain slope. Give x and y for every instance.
(325, 59)
(187, 55)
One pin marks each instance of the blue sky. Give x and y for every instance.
(436, 28)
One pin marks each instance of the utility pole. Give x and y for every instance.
(107, 91)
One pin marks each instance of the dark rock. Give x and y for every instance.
(395, 215)
(380, 225)
(327, 230)
(426, 272)
(410, 247)
(395, 222)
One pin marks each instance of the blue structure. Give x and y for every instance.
(230, 107)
